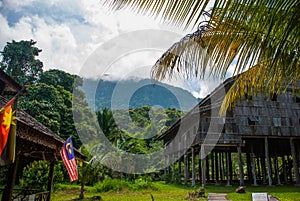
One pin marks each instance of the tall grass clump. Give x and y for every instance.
(109, 184)
(142, 184)
(117, 185)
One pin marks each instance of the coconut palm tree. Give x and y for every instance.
(258, 37)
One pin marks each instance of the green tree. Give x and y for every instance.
(261, 36)
(19, 61)
(57, 78)
(50, 102)
(109, 126)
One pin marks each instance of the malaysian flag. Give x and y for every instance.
(67, 154)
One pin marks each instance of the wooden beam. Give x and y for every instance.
(50, 179)
(12, 172)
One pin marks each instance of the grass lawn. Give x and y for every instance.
(167, 192)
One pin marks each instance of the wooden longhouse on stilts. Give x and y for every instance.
(257, 142)
(34, 141)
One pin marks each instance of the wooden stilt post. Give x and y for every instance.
(173, 164)
(185, 161)
(263, 169)
(50, 179)
(277, 168)
(179, 158)
(230, 165)
(248, 162)
(193, 167)
(207, 177)
(221, 167)
(258, 167)
(201, 156)
(240, 161)
(268, 161)
(290, 170)
(253, 166)
(200, 169)
(12, 172)
(203, 172)
(227, 169)
(295, 162)
(188, 165)
(169, 164)
(165, 165)
(179, 164)
(217, 168)
(284, 169)
(212, 166)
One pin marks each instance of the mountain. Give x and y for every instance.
(133, 93)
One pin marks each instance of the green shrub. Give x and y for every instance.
(117, 185)
(35, 175)
(142, 184)
(109, 184)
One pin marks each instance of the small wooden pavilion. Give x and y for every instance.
(34, 141)
(257, 142)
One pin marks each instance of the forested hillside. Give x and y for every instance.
(146, 93)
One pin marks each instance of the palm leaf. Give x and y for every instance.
(177, 12)
(259, 34)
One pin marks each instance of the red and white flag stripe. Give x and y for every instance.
(70, 164)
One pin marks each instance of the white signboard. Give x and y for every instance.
(260, 197)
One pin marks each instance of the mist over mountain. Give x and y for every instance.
(134, 93)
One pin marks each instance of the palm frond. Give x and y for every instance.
(257, 81)
(177, 12)
(242, 33)
(245, 39)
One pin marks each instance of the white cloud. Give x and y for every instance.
(69, 31)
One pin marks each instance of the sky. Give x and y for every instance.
(75, 33)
